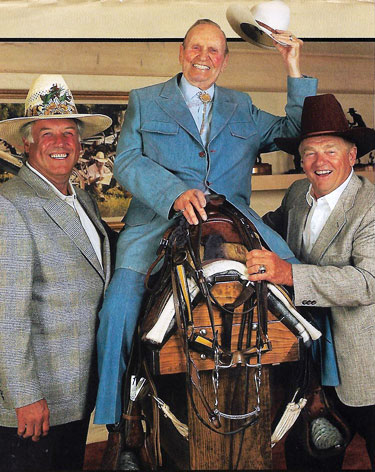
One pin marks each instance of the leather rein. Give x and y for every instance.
(182, 260)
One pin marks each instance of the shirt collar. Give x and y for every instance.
(56, 190)
(189, 91)
(331, 198)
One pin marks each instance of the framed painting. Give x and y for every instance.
(94, 169)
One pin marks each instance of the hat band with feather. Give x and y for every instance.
(56, 101)
(50, 98)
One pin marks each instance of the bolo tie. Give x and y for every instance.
(204, 98)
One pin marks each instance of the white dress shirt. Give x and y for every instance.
(319, 213)
(73, 202)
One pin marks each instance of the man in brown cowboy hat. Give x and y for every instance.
(55, 262)
(328, 220)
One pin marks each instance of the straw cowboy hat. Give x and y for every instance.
(255, 25)
(323, 115)
(49, 97)
(99, 156)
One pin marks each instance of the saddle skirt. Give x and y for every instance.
(156, 335)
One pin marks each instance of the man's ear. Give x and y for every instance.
(353, 155)
(26, 145)
(225, 63)
(181, 53)
(301, 161)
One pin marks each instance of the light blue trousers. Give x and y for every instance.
(118, 319)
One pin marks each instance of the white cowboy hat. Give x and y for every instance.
(49, 97)
(255, 25)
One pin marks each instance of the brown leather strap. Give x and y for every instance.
(194, 376)
(111, 456)
(155, 430)
(131, 417)
(161, 253)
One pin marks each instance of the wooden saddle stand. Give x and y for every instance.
(202, 356)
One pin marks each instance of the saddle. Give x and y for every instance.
(205, 264)
(204, 313)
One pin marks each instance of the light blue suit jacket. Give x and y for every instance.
(161, 155)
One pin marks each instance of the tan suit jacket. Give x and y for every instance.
(339, 273)
(51, 288)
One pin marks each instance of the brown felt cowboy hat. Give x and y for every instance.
(323, 115)
(49, 97)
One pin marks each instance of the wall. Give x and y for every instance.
(170, 19)
(110, 69)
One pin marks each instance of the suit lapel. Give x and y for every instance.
(331, 229)
(172, 102)
(68, 220)
(86, 203)
(297, 216)
(222, 110)
(64, 216)
(336, 221)
(296, 223)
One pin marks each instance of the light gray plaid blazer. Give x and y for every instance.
(51, 288)
(341, 276)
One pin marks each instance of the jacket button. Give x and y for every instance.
(208, 183)
(313, 302)
(202, 154)
(304, 302)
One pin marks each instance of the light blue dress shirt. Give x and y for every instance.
(195, 105)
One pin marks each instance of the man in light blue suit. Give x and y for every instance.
(181, 140)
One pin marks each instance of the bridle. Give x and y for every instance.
(192, 282)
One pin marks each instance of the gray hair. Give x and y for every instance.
(206, 21)
(26, 130)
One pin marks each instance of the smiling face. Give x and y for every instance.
(203, 56)
(327, 162)
(55, 150)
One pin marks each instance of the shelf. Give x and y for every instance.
(259, 182)
(114, 222)
(284, 181)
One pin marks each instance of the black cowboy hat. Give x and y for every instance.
(321, 115)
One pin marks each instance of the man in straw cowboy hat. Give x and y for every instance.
(98, 174)
(328, 220)
(182, 139)
(55, 263)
